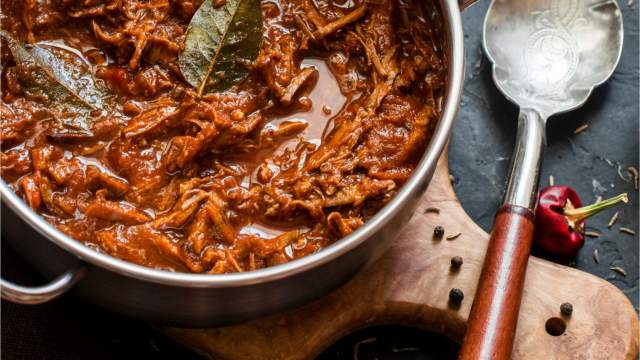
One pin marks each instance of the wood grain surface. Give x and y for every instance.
(410, 285)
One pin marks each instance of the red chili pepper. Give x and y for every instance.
(559, 226)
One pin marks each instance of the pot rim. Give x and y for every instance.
(425, 167)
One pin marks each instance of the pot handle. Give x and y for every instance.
(32, 295)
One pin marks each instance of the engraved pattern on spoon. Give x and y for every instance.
(550, 54)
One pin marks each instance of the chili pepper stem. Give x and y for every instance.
(575, 216)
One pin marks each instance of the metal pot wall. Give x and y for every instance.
(184, 299)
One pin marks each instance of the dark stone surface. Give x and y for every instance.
(480, 151)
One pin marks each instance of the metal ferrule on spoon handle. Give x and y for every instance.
(522, 184)
(494, 314)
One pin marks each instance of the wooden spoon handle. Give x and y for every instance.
(494, 314)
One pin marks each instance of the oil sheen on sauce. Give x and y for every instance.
(325, 93)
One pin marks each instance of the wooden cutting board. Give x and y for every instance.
(410, 285)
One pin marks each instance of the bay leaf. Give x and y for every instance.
(220, 44)
(64, 77)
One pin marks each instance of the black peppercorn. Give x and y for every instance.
(456, 296)
(456, 262)
(566, 309)
(438, 232)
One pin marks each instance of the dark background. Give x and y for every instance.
(479, 158)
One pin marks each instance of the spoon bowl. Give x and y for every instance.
(549, 55)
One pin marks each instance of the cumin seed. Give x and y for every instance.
(593, 234)
(453, 237)
(627, 230)
(634, 174)
(619, 270)
(581, 128)
(551, 180)
(598, 199)
(596, 257)
(621, 175)
(432, 210)
(613, 220)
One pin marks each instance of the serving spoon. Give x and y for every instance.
(547, 57)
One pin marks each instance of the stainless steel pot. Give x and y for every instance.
(183, 299)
